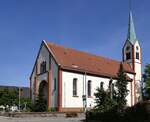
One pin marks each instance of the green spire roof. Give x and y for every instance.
(131, 30)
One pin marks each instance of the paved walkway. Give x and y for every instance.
(40, 119)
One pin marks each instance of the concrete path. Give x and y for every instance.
(40, 119)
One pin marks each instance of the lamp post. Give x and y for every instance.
(84, 96)
(19, 99)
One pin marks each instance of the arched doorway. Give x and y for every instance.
(44, 89)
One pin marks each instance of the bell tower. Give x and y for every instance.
(132, 55)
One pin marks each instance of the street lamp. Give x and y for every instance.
(19, 99)
(84, 95)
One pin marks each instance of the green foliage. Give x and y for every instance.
(52, 110)
(121, 86)
(11, 97)
(25, 104)
(113, 110)
(40, 104)
(147, 80)
(138, 113)
(103, 101)
(8, 97)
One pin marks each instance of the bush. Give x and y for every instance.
(138, 113)
(109, 116)
(103, 101)
(52, 110)
(71, 114)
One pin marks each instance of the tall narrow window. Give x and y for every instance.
(75, 87)
(128, 55)
(137, 55)
(54, 84)
(113, 85)
(43, 67)
(111, 89)
(89, 88)
(110, 84)
(102, 85)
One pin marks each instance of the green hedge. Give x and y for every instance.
(139, 113)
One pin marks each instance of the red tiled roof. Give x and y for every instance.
(74, 60)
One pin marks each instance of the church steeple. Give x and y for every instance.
(133, 56)
(131, 36)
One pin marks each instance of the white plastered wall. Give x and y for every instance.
(68, 101)
(137, 66)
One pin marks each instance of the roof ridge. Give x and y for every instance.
(84, 52)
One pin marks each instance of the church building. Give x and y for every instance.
(69, 78)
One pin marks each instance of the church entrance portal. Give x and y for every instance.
(44, 86)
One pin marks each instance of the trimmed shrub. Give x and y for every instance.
(139, 113)
(71, 114)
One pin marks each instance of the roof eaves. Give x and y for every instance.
(88, 72)
(51, 52)
(36, 60)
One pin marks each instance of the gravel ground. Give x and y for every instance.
(40, 119)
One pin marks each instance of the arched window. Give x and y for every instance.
(113, 87)
(43, 67)
(75, 87)
(89, 88)
(102, 85)
(127, 48)
(110, 84)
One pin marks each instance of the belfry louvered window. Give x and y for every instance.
(137, 55)
(128, 56)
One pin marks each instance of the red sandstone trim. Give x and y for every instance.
(49, 90)
(133, 63)
(71, 109)
(30, 89)
(75, 96)
(141, 61)
(131, 96)
(35, 88)
(90, 97)
(59, 90)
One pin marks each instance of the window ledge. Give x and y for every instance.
(75, 96)
(42, 73)
(90, 97)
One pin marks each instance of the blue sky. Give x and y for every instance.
(95, 26)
